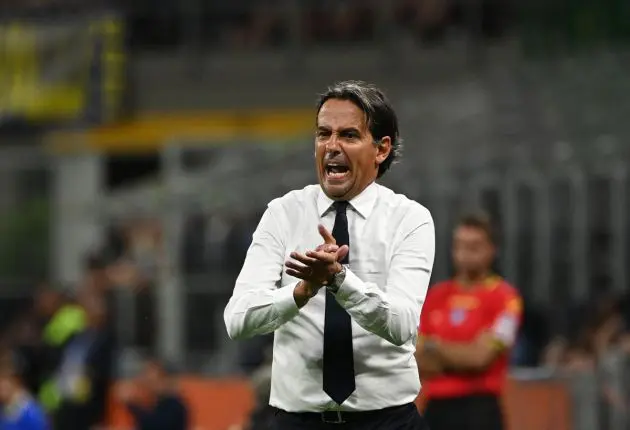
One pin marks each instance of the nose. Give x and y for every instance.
(332, 144)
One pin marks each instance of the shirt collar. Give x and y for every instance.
(363, 203)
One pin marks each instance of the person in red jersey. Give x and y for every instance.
(467, 328)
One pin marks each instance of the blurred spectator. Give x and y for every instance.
(554, 354)
(96, 275)
(578, 358)
(85, 371)
(143, 250)
(39, 336)
(266, 27)
(62, 319)
(351, 21)
(167, 410)
(599, 329)
(108, 273)
(19, 410)
(605, 329)
(430, 20)
(135, 270)
(258, 24)
(263, 23)
(66, 344)
(339, 22)
(25, 336)
(427, 19)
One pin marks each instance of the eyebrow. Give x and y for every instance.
(343, 130)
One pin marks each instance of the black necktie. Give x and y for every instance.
(338, 366)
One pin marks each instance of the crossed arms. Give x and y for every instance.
(435, 356)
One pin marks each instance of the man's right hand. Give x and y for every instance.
(305, 290)
(308, 287)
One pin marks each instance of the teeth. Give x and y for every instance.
(336, 175)
(336, 171)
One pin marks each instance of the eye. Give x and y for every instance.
(350, 135)
(321, 134)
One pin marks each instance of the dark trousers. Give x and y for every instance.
(404, 417)
(475, 412)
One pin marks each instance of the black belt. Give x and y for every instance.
(341, 417)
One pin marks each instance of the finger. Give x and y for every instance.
(297, 274)
(299, 267)
(342, 252)
(322, 257)
(326, 235)
(303, 258)
(325, 247)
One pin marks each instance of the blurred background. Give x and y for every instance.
(140, 142)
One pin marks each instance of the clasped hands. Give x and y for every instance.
(315, 268)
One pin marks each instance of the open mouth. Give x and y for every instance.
(337, 171)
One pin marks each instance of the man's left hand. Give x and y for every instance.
(320, 265)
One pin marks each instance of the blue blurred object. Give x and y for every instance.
(24, 414)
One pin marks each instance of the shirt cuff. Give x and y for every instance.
(351, 290)
(284, 302)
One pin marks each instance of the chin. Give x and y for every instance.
(336, 191)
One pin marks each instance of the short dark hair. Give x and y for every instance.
(95, 261)
(380, 115)
(479, 221)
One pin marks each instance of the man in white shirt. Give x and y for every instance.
(340, 271)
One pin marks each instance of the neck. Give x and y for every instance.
(472, 278)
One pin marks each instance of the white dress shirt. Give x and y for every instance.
(392, 246)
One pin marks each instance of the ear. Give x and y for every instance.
(383, 149)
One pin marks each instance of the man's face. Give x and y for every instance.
(97, 279)
(151, 377)
(346, 157)
(47, 302)
(473, 252)
(94, 306)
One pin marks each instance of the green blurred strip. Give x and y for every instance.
(67, 322)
